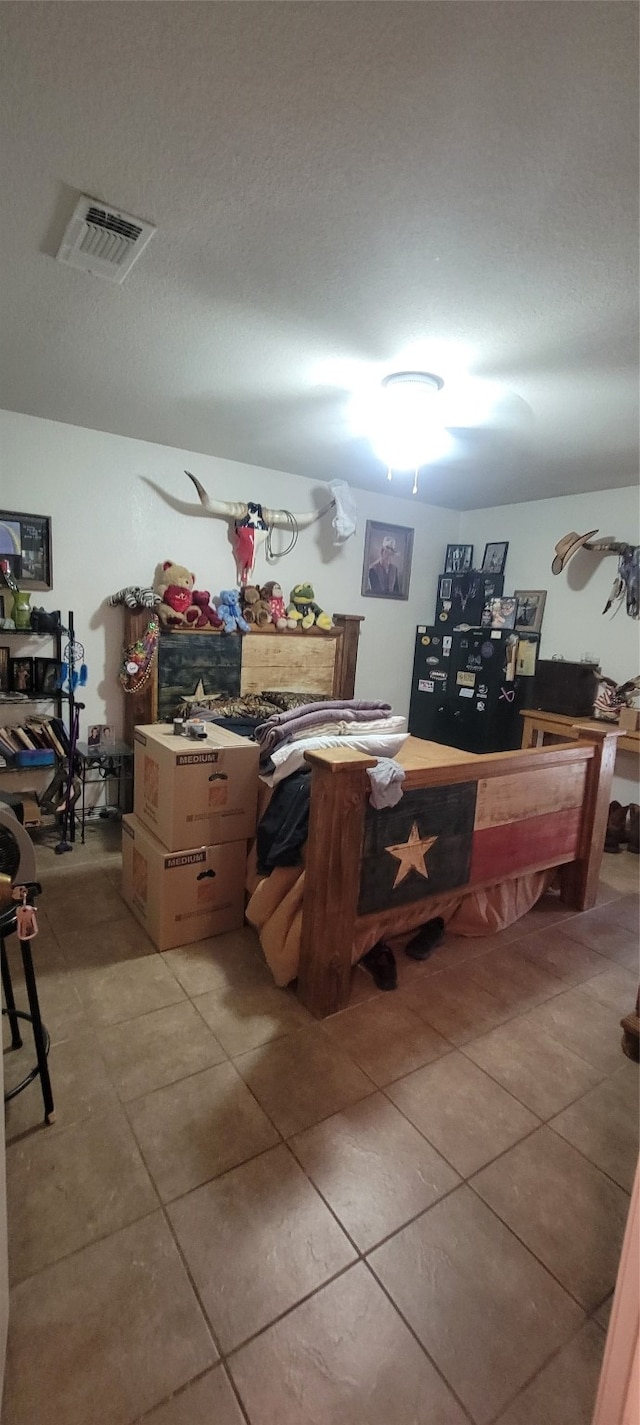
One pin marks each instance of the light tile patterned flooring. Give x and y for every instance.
(410, 1214)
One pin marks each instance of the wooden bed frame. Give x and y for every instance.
(479, 821)
(310, 661)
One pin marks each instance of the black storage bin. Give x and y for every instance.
(568, 688)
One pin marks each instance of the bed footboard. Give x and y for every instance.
(460, 825)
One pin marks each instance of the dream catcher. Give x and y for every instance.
(73, 669)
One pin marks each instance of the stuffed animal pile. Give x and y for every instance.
(179, 605)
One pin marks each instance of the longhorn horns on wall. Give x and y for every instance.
(272, 519)
(253, 522)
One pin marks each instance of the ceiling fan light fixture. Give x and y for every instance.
(408, 430)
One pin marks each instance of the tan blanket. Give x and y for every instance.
(275, 910)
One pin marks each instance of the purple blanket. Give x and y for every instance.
(287, 726)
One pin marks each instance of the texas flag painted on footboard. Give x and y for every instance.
(470, 833)
(420, 847)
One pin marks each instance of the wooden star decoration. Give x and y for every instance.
(411, 854)
(199, 691)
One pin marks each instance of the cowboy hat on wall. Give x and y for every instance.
(567, 547)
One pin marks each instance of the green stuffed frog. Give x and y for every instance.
(304, 610)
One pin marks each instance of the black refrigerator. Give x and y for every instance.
(489, 677)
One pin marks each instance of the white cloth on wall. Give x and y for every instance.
(344, 519)
(386, 783)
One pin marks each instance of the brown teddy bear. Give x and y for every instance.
(254, 608)
(174, 584)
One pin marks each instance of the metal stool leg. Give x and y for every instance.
(16, 1040)
(38, 1031)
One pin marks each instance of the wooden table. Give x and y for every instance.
(539, 725)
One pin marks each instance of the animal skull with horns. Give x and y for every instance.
(253, 523)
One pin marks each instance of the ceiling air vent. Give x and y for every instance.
(103, 241)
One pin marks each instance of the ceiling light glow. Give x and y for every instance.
(406, 429)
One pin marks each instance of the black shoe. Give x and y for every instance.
(425, 941)
(381, 964)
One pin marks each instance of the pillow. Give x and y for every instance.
(252, 705)
(284, 702)
(290, 758)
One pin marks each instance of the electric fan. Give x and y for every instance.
(17, 861)
(18, 868)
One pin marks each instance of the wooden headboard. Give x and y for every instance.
(292, 661)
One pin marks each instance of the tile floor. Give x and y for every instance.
(410, 1214)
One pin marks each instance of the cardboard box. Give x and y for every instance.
(182, 896)
(630, 719)
(192, 793)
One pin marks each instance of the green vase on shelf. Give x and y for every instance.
(21, 611)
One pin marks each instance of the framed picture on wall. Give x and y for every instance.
(386, 570)
(458, 558)
(25, 542)
(495, 558)
(530, 609)
(503, 612)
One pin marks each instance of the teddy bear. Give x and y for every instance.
(254, 607)
(230, 612)
(202, 613)
(273, 597)
(174, 584)
(304, 610)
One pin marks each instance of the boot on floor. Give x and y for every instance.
(616, 828)
(633, 828)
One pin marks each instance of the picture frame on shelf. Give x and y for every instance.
(99, 737)
(530, 609)
(458, 559)
(21, 676)
(386, 568)
(47, 672)
(503, 612)
(495, 557)
(4, 670)
(25, 541)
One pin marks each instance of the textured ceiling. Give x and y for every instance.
(336, 186)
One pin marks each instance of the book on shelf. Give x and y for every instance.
(42, 726)
(25, 739)
(8, 747)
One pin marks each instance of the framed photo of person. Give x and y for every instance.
(46, 676)
(458, 558)
(503, 612)
(495, 558)
(4, 670)
(530, 609)
(386, 570)
(21, 675)
(25, 541)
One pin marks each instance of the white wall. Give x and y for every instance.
(110, 529)
(573, 621)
